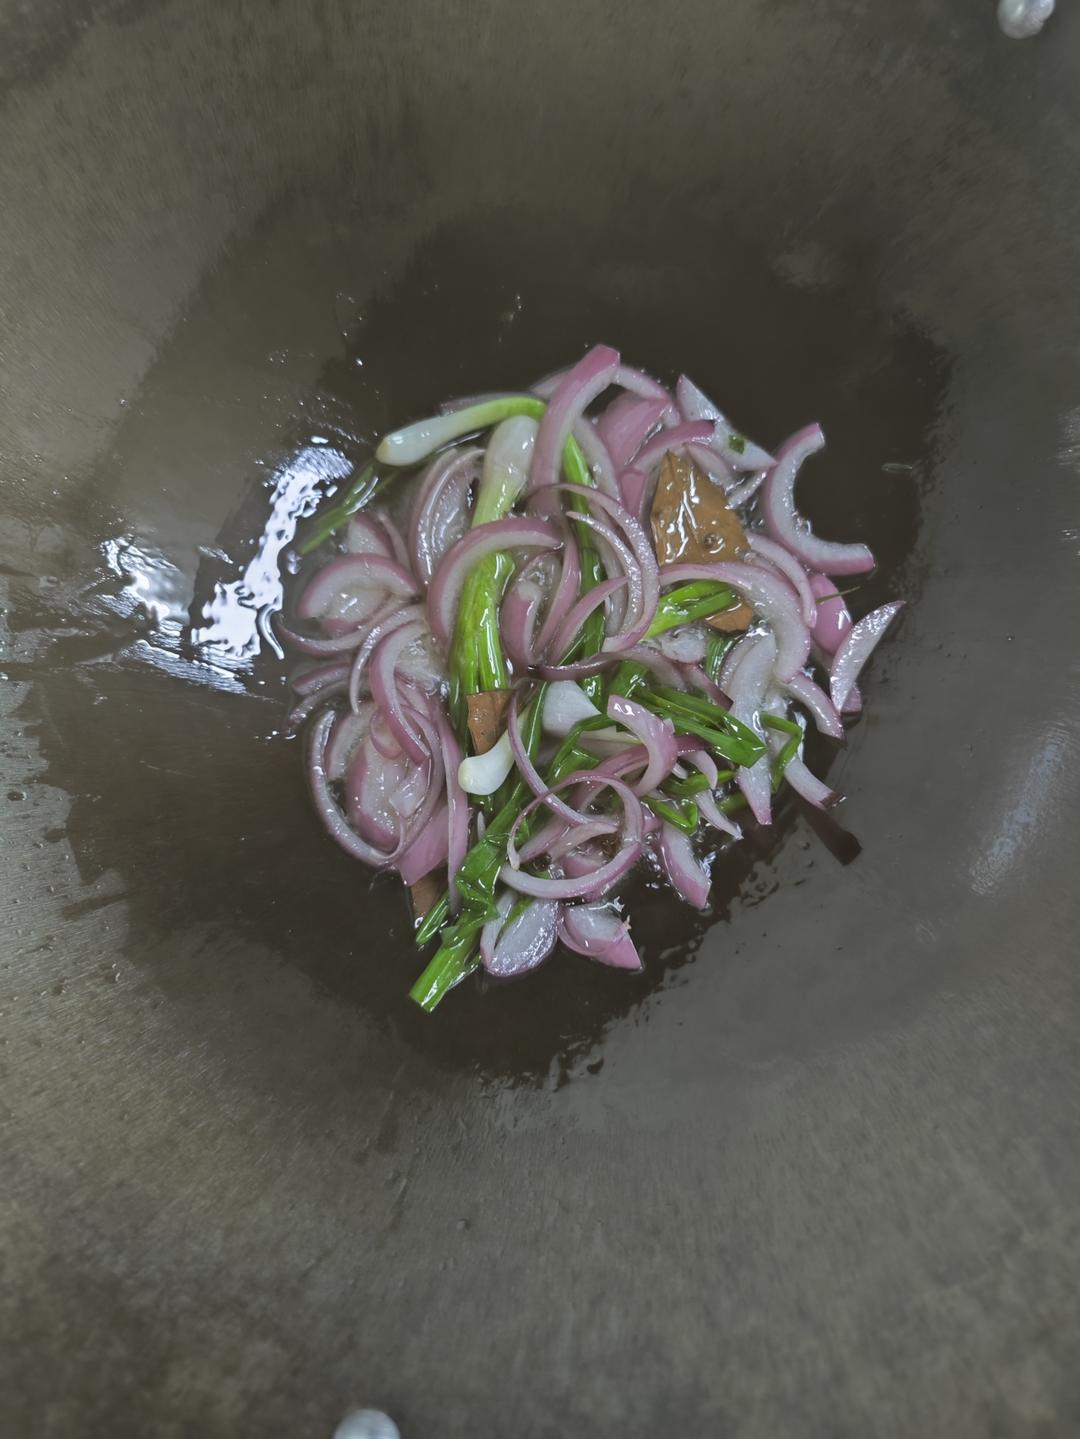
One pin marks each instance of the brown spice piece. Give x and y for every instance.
(426, 891)
(692, 521)
(487, 718)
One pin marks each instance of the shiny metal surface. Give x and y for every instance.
(817, 1173)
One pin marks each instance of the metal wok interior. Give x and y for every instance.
(816, 1171)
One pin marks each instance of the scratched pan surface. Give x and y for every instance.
(817, 1171)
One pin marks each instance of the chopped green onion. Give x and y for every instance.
(359, 494)
(689, 603)
(715, 650)
(684, 817)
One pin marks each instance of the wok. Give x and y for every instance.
(816, 1172)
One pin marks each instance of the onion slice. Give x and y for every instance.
(820, 707)
(769, 595)
(747, 688)
(510, 949)
(599, 932)
(783, 522)
(833, 616)
(346, 590)
(739, 452)
(326, 807)
(575, 392)
(792, 571)
(686, 872)
(627, 423)
(857, 648)
(440, 512)
(657, 735)
(454, 567)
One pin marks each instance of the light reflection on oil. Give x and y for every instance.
(1026, 810)
(234, 625)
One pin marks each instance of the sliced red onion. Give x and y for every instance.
(803, 782)
(599, 932)
(771, 597)
(601, 465)
(588, 886)
(739, 452)
(627, 423)
(365, 536)
(792, 571)
(857, 648)
(701, 759)
(665, 671)
(634, 491)
(833, 616)
(558, 840)
(657, 735)
(598, 882)
(687, 874)
(420, 666)
(814, 699)
(348, 590)
(428, 851)
(333, 820)
(345, 738)
(318, 677)
(784, 523)
(580, 612)
(579, 669)
(397, 544)
(697, 679)
(371, 781)
(440, 512)
(644, 566)
(747, 688)
(734, 657)
(588, 858)
(714, 465)
(319, 646)
(687, 645)
(510, 949)
(564, 594)
(384, 687)
(517, 621)
(409, 615)
(714, 815)
(482, 540)
(382, 737)
(637, 382)
(532, 777)
(576, 391)
(565, 705)
(743, 493)
(654, 450)
(621, 565)
(310, 703)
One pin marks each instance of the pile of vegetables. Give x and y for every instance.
(559, 634)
